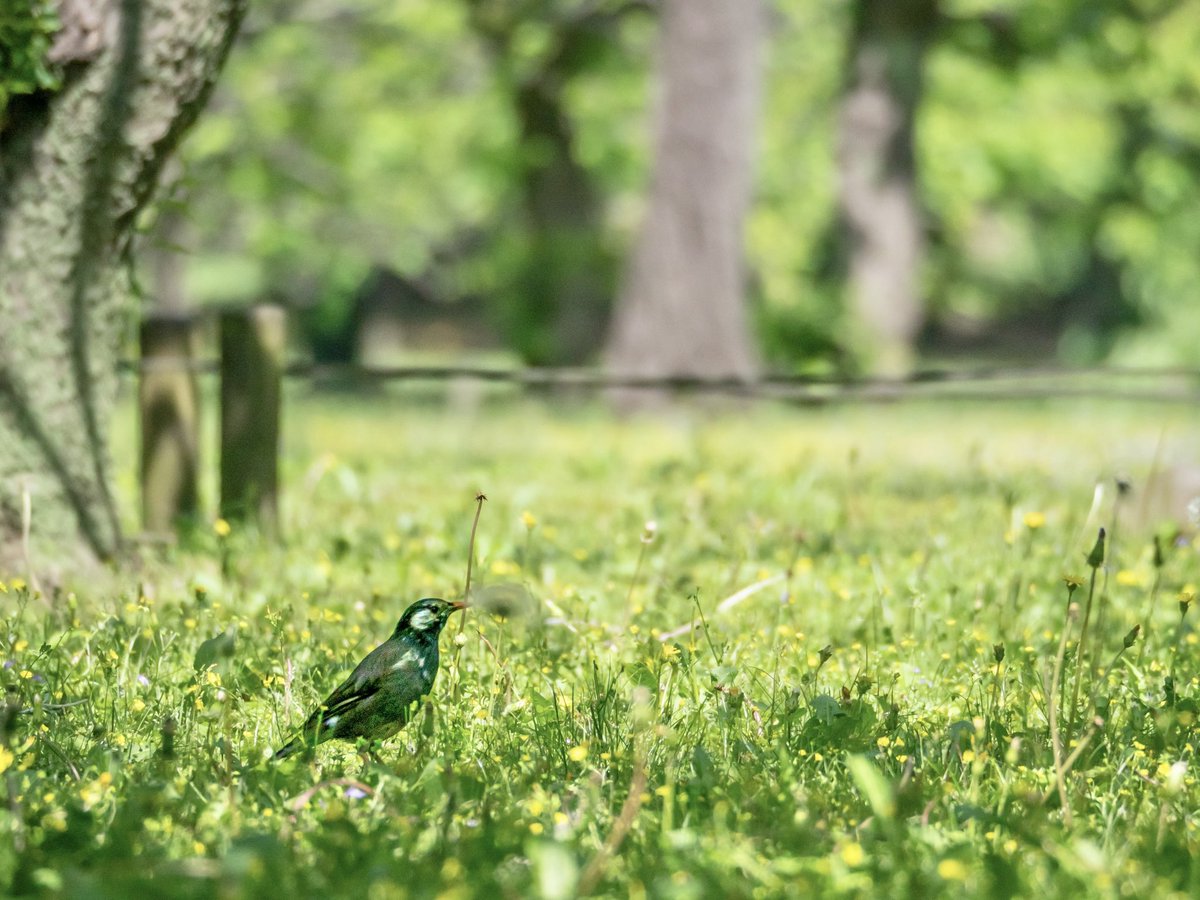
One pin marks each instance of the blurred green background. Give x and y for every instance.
(360, 146)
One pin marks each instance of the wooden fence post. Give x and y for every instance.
(252, 353)
(169, 413)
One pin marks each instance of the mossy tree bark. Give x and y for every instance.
(76, 167)
(682, 309)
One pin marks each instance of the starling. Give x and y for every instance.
(377, 699)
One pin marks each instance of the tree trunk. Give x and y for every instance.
(75, 169)
(682, 308)
(560, 297)
(878, 177)
(565, 277)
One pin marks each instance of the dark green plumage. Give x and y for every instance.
(376, 700)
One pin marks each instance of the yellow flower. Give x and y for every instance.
(1034, 520)
(852, 854)
(529, 520)
(6, 759)
(578, 753)
(222, 528)
(670, 651)
(952, 870)
(1128, 578)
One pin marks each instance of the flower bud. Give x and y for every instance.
(1095, 559)
(1132, 636)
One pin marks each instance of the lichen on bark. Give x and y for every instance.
(76, 167)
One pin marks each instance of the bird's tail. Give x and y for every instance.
(295, 745)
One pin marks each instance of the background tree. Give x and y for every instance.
(491, 140)
(560, 293)
(1061, 223)
(879, 196)
(1053, 147)
(682, 308)
(76, 168)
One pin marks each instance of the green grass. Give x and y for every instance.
(569, 748)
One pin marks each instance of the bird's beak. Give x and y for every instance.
(458, 604)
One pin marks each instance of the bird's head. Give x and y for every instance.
(428, 616)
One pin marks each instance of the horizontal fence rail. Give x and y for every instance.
(252, 368)
(1165, 384)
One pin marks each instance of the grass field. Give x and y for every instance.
(756, 653)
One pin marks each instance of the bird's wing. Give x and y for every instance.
(366, 679)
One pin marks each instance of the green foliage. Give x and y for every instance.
(368, 136)
(788, 686)
(26, 32)
(392, 135)
(1056, 151)
(1066, 202)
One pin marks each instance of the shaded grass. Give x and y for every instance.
(572, 747)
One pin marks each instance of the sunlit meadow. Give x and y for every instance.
(715, 652)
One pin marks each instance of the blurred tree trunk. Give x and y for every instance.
(566, 277)
(682, 309)
(878, 193)
(564, 280)
(76, 167)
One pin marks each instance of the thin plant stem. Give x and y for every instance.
(459, 641)
(1148, 616)
(1184, 606)
(704, 624)
(1095, 560)
(1102, 606)
(1080, 651)
(1056, 745)
(647, 538)
(480, 497)
(637, 571)
(1055, 703)
(998, 652)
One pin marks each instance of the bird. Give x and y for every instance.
(377, 699)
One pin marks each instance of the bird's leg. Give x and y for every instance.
(368, 752)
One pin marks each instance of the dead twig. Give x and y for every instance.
(629, 809)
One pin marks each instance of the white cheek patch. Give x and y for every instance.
(423, 620)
